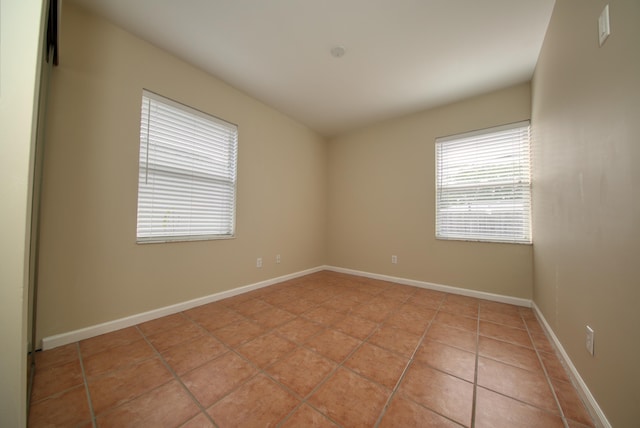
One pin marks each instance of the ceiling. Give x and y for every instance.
(401, 56)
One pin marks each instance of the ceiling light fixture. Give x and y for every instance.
(337, 52)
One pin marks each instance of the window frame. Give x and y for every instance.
(522, 188)
(185, 175)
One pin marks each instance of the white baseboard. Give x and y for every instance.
(438, 287)
(109, 326)
(578, 381)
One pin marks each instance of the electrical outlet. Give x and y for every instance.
(259, 262)
(277, 258)
(589, 341)
(394, 259)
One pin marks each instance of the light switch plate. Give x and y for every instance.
(604, 28)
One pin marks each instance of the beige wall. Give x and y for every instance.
(92, 270)
(382, 200)
(20, 24)
(586, 122)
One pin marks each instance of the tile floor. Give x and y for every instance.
(323, 350)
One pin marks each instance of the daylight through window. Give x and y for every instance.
(483, 185)
(187, 173)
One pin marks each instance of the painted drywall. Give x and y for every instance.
(92, 270)
(382, 200)
(20, 36)
(586, 211)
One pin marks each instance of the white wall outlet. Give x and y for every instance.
(604, 28)
(277, 258)
(259, 262)
(394, 259)
(589, 341)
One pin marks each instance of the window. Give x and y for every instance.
(187, 173)
(483, 185)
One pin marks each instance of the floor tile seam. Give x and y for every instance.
(531, 348)
(86, 387)
(109, 347)
(181, 383)
(526, 403)
(410, 362)
(547, 377)
(475, 375)
(506, 363)
(58, 393)
(92, 378)
(409, 398)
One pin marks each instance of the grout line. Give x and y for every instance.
(546, 375)
(86, 386)
(475, 374)
(177, 378)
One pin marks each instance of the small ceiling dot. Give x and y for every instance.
(338, 52)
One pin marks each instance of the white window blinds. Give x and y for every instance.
(187, 173)
(483, 185)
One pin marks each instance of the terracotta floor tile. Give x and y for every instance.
(512, 320)
(276, 297)
(357, 296)
(497, 411)
(199, 421)
(359, 328)
(322, 315)
(462, 300)
(272, 317)
(408, 321)
(554, 367)
(318, 296)
(161, 324)
(377, 364)
(395, 340)
(120, 386)
(376, 313)
(448, 359)
(574, 424)
(452, 336)
(462, 309)
(340, 304)
(215, 379)
(307, 417)
(302, 371)
(69, 408)
(413, 309)
(258, 403)
(427, 298)
(109, 340)
(53, 379)
(299, 330)
(251, 307)
(457, 321)
(166, 406)
(542, 344)
(525, 358)
(168, 338)
(443, 393)
(234, 301)
(534, 326)
(499, 307)
(398, 292)
(194, 353)
(407, 414)
(350, 400)
(297, 306)
(117, 357)
(505, 333)
(571, 404)
(214, 316)
(266, 350)
(333, 344)
(523, 385)
(238, 333)
(53, 357)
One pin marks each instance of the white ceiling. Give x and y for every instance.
(401, 55)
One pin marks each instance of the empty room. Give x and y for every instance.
(335, 214)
